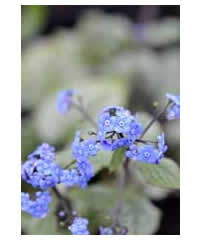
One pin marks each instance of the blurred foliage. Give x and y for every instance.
(110, 61)
(33, 20)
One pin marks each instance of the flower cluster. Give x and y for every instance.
(81, 150)
(40, 170)
(38, 208)
(117, 128)
(148, 153)
(83, 172)
(173, 111)
(79, 226)
(44, 151)
(64, 100)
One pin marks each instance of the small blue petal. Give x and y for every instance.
(173, 111)
(64, 100)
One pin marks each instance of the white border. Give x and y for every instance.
(11, 120)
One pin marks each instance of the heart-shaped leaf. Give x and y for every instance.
(97, 204)
(166, 174)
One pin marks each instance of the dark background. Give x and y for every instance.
(68, 16)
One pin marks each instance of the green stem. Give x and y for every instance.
(157, 116)
(145, 141)
(84, 112)
(62, 201)
(70, 164)
(119, 207)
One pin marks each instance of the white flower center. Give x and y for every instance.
(90, 146)
(147, 154)
(121, 123)
(133, 131)
(134, 151)
(107, 122)
(80, 151)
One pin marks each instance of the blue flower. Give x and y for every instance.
(39, 207)
(84, 148)
(86, 171)
(117, 128)
(112, 145)
(162, 147)
(78, 176)
(106, 122)
(106, 231)
(44, 152)
(119, 143)
(148, 154)
(174, 98)
(132, 152)
(173, 111)
(70, 177)
(115, 230)
(92, 147)
(161, 143)
(78, 148)
(79, 226)
(61, 213)
(135, 130)
(115, 119)
(40, 170)
(81, 150)
(64, 100)
(123, 122)
(107, 144)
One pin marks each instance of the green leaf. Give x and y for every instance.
(166, 174)
(138, 213)
(64, 158)
(117, 158)
(155, 192)
(101, 160)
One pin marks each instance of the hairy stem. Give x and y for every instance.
(145, 141)
(70, 164)
(156, 117)
(119, 207)
(62, 201)
(84, 113)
